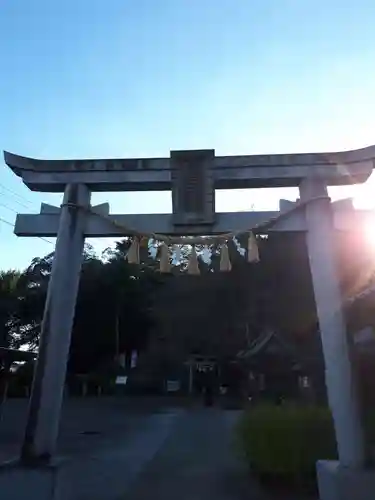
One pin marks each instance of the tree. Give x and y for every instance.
(113, 311)
(9, 289)
(113, 314)
(122, 307)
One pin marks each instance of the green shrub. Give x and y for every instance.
(286, 441)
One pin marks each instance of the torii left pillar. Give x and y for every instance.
(38, 472)
(49, 379)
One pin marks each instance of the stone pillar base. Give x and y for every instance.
(343, 483)
(44, 482)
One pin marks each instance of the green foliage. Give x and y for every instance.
(114, 310)
(286, 441)
(122, 307)
(9, 288)
(369, 429)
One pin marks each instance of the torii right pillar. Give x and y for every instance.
(347, 478)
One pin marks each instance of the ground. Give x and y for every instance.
(196, 462)
(143, 449)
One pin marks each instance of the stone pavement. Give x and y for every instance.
(197, 462)
(109, 470)
(87, 424)
(119, 449)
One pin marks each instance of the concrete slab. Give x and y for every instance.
(18, 482)
(106, 474)
(344, 483)
(101, 469)
(198, 461)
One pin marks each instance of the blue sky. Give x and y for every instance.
(128, 78)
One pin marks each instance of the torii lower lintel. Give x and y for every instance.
(46, 224)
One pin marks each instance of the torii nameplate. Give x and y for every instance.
(193, 190)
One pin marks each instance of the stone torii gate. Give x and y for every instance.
(193, 176)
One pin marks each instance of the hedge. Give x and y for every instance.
(282, 443)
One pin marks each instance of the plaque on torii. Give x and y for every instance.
(192, 176)
(193, 189)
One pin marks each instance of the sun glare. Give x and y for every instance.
(363, 200)
(369, 230)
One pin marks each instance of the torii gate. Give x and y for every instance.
(192, 176)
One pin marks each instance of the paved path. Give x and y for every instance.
(196, 462)
(109, 470)
(86, 424)
(143, 452)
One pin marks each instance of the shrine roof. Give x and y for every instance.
(268, 341)
(229, 172)
(16, 354)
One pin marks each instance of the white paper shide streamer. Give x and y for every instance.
(252, 249)
(225, 264)
(165, 265)
(193, 264)
(133, 253)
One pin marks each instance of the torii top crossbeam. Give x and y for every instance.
(228, 172)
(192, 176)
